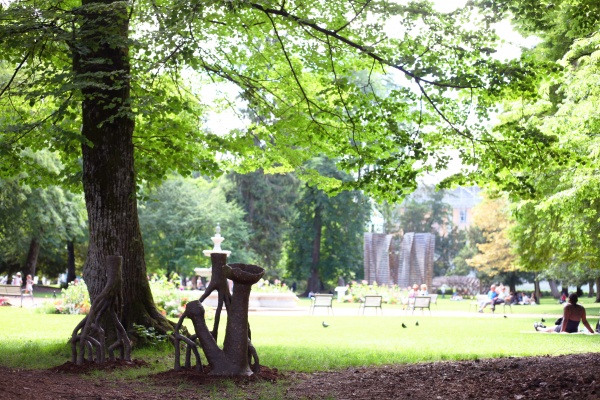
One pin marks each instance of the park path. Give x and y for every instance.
(396, 312)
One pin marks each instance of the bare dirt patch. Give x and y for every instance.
(556, 377)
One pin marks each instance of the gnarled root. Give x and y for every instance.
(89, 332)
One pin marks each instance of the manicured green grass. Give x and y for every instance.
(301, 343)
(32, 340)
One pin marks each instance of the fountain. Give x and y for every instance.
(258, 300)
(217, 240)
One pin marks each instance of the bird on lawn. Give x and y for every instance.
(325, 324)
(417, 324)
(404, 326)
(543, 320)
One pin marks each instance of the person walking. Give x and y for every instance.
(29, 285)
(17, 281)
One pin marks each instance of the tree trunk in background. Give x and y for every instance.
(108, 161)
(598, 291)
(31, 262)
(554, 289)
(591, 292)
(70, 261)
(512, 282)
(538, 292)
(11, 270)
(314, 282)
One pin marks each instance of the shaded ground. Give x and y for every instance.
(557, 377)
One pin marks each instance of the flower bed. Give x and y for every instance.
(171, 300)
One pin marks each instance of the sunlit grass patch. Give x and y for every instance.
(301, 343)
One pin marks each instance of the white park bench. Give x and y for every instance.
(321, 300)
(14, 291)
(422, 302)
(371, 301)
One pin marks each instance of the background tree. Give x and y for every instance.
(557, 214)
(496, 257)
(426, 212)
(460, 265)
(38, 221)
(179, 217)
(269, 204)
(326, 238)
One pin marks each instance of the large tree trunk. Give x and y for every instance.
(554, 288)
(598, 291)
(108, 161)
(591, 292)
(32, 256)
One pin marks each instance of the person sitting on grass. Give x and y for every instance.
(532, 299)
(573, 313)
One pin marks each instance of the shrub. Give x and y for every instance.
(358, 291)
(264, 286)
(148, 336)
(75, 299)
(168, 299)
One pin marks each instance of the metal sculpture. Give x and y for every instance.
(377, 258)
(416, 259)
(238, 356)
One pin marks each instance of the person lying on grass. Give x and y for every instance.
(573, 313)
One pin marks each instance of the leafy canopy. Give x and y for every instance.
(308, 71)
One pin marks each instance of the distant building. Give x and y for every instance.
(463, 200)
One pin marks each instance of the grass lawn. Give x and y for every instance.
(29, 339)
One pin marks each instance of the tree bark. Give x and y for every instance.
(591, 292)
(598, 291)
(314, 282)
(11, 269)
(538, 293)
(554, 289)
(108, 160)
(32, 256)
(70, 262)
(512, 282)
